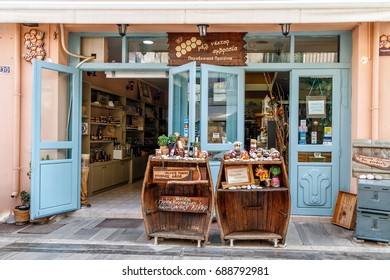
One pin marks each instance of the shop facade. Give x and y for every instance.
(327, 78)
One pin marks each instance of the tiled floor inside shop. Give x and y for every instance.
(121, 202)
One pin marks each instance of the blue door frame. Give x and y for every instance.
(56, 139)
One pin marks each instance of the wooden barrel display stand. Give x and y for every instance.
(177, 199)
(251, 213)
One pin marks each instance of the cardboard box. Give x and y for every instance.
(118, 154)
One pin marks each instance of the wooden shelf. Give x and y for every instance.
(241, 162)
(264, 189)
(177, 199)
(253, 214)
(102, 123)
(253, 235)
(106, 107)
(179, 234)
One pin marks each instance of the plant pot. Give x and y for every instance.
(275, 182)
(164, 150)
(22, 217)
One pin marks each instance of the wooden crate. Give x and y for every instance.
(345, 210)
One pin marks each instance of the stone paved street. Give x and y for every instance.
(76, 238)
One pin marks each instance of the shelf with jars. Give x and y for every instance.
(117, 127)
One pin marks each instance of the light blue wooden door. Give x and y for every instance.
(56, 139)
(181, 101)
(314, 141)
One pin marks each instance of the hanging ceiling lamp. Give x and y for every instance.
(285, 28)
(122, 29)
(202, 29)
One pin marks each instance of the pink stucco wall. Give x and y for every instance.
(7, 43)
(8, 89)
(365, 54)
(384, 89)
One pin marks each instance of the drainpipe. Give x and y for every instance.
(16, 115)
(375, 83)
(85, 58)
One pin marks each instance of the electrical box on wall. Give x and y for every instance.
(97, 47)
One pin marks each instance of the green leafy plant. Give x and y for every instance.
(275, 170)
(172, 138)
(24, 200)
(25, 197)
(162, 140)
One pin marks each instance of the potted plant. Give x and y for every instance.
(162, 141)
(22, 211)
(275, 172)
(171, 143)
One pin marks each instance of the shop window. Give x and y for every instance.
(316, 49)
(55, 112)
(222, 108)
(268, 50)
(114, 49)
(148, 50)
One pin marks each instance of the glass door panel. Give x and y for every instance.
(55, 115)
(315, 110)
(222, 107)
(181, 101)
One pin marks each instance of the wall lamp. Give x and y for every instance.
(122, 29)
(202, 29)
(130, 86)
(285, 28)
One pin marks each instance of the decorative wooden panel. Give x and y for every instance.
(314, 187)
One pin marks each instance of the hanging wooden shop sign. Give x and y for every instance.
(384, 45)
(183, 204)
(376, 162)
(216, 48)
(33, 41)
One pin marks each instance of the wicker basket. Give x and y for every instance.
(22, 217)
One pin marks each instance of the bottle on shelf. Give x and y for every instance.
(196, 147)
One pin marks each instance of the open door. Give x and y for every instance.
(56, 139)
(181, 102)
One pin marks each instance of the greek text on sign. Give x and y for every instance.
(237, 175)
(379, 163)
(163, 174)
(183, 204)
